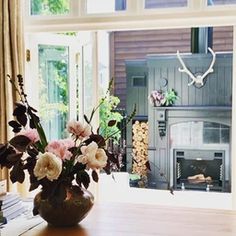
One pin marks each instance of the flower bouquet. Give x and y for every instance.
(161, 98)
(60, 167)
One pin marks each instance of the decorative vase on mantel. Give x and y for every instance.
(70, 212)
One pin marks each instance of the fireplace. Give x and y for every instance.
(200, 153)
(199, 169)
(196, 138)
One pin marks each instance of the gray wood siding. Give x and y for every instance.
(218, 85)
(132, 45)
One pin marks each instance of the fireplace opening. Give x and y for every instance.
(199, 169)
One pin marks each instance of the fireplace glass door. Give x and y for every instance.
(200, 152)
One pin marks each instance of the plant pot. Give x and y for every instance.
(69, 213)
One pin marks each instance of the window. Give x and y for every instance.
(105, 6)
(47, 7)
(149, 4)
(215, 133)
(54, 79)
(64, 69)
(220, 2)
(53, 89)
(197, 133)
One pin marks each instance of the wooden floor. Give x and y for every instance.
(122, 219)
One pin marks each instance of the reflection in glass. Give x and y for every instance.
(88, 79)
(220, 2)
(211, 136)
(197, 133)
(47, 7)
(53, 89)
(105, 6)
(165, 3)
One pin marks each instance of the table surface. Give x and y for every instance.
(113, 219)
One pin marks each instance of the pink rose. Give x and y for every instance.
(79, 129)
(32, 134)
(60, 148)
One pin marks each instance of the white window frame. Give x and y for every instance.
(197, 14)
(134, 17)
(61, 40)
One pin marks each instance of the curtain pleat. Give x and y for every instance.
(11, 63)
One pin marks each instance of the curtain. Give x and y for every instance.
(11, 62)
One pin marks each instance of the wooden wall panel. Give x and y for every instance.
(218, 85)
(132, 45)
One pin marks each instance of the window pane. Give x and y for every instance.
(211, 125)
(165, 3)
(220, 2)
(53, 89)
(88, 79)
(211, 136)
(47, 7)
(105, 6)
(225, 135)
(103, 62)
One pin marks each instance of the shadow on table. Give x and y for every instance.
(50, 230)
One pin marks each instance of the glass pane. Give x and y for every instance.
(165, 3)
(211, 136)
(211, 125)
(105, 6)
(53, 89)
(186, 133)
(48, 7)
(220, 2)
(88, 79)
(103, 62)
(225, 135)
(197, 133)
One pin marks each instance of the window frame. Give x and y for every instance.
(197, 14)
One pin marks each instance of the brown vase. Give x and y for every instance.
(73, 209)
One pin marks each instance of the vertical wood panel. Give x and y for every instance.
(219, 73)
(228, 81)
(132, 45)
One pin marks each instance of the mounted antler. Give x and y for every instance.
(197, 80)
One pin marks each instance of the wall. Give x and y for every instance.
(132, 45)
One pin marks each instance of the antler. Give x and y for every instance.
(210, 69)
(186, 70)
(198, 79)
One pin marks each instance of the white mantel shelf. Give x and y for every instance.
(207, 108)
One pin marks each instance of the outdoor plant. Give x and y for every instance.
(163, 98)
(106, 111)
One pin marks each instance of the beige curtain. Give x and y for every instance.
(11, 62)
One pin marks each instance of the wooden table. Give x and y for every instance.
(122, 219)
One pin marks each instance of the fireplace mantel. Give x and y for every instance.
(186, 108)
(161, 119)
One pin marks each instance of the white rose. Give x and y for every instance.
(94, 157)
(98, 161)
(88, 152)
(48, 165)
